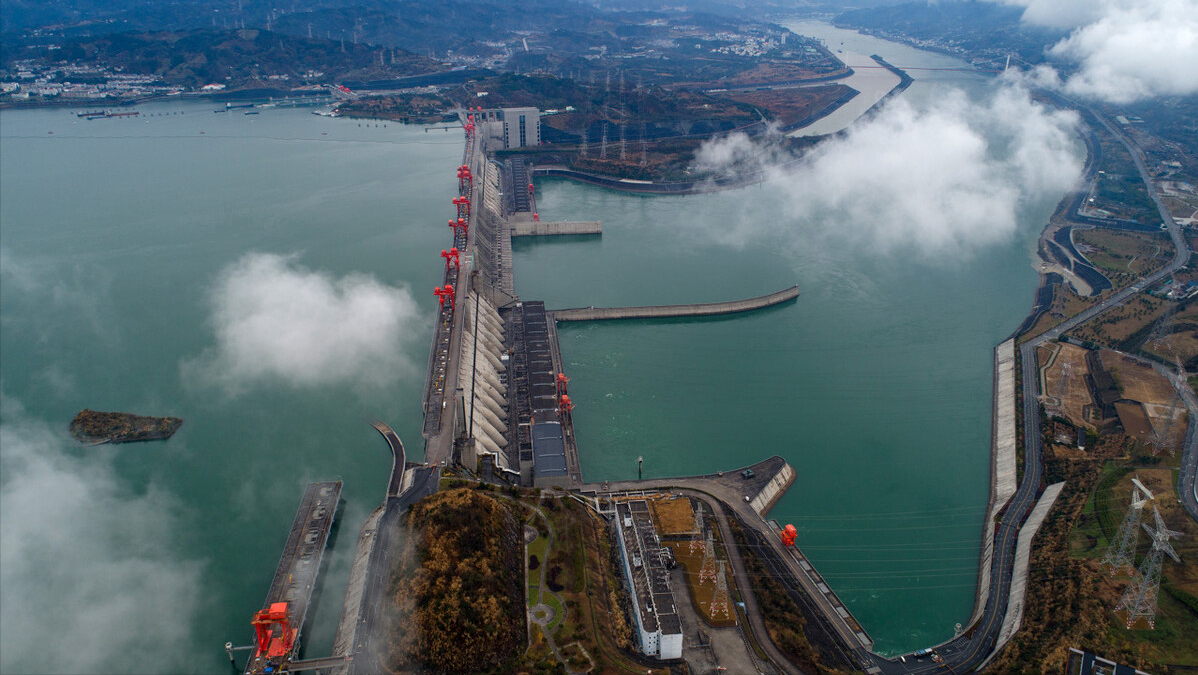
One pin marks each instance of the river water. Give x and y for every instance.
(875, 385)
(116, 233)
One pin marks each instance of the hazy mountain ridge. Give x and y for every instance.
(197, 57)
(974, 25)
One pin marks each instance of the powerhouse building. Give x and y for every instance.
(659, 630)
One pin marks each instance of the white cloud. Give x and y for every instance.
(738, 153)
(941, 180)
(88, 577)
(1063, 14)
(1124, 50)
(276, 321)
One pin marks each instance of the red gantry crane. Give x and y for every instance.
(460, 225)
(789, 533)
(275, 638)
(463, 204)
(443, 293)
(464, 179)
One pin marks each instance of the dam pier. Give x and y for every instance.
(496, 405)
(496, 395)
(497, 399)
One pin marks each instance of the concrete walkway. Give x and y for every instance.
(1003, 468)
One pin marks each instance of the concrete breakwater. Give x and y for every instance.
(556, 228)
(671, 311)
(651, 187)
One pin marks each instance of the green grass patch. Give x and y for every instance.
(559, 612)
(1100, 517)
(1109, 513)
(539, 547)
(1171, 641)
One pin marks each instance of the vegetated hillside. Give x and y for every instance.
(466, 595)
(663, 112)
(1071, 596)
(199, 57)
(441, 25)
(970, 25)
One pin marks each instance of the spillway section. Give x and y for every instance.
(482, 375)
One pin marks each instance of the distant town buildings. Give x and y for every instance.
(68, 81)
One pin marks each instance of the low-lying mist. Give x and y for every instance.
(276, 322)
(92, 581)
(935, 180)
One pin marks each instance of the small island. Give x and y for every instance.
(94, 428)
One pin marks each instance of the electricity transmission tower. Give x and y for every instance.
(1140, 597)
(603, 138)
(644, 160)
(719, 600)
(1122, 550)
(707, 573)
(697, 537)
(1163, 327)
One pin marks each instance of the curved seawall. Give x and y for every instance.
(670, 311)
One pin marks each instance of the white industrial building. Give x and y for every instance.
(513, 127)
(659, 630)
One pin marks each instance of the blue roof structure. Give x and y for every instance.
(548, 450)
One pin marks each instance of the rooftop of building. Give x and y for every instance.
(650, 575)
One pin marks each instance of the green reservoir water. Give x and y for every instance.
(116, 235)
(875, 385)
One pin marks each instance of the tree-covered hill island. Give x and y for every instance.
(93, 427)
(458, 600)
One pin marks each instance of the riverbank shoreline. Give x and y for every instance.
(265, 95)
(721, 183)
